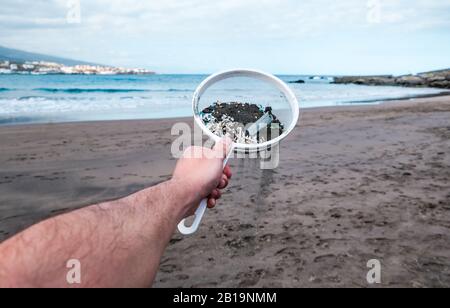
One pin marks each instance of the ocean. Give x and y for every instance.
(68, 98)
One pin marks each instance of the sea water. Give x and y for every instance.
(67, 98)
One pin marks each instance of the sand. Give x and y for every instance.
(354, 184)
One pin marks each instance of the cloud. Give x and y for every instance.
(179, 29)
(223, 17)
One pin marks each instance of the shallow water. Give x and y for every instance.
(65, 98)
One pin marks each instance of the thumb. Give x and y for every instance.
(223, 147)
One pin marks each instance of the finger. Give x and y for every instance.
(227, 172)
(223, 147)
(216, 194)
(211, 203)
(223, 182)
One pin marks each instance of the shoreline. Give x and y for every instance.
(406, 98)
(352, 104)
(435, 79)
(354, 183)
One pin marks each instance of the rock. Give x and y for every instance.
(365, 80)
(298, 81)
(360, 81)
(382, 81)
(436, 79)
(411, 81)
(441, 84)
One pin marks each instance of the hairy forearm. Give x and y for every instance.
(118, 244)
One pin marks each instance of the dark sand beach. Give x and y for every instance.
(354, 184)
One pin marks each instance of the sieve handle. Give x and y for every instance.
(198, 218)
(201, 209)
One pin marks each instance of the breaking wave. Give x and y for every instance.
(81, 90)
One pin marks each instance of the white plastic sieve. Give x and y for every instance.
(292, 119)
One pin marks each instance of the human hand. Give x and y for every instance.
(200, 172)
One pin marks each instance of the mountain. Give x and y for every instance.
(14, 55)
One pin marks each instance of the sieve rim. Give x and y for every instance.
(250, 73)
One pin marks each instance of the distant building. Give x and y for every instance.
(48, 70)
(28, 66)
(42, 67)
(67, 70)
(4, 64)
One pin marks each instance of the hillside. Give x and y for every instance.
(15, 55)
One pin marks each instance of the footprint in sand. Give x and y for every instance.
(182, 277)
(170, 268)
(250, 278)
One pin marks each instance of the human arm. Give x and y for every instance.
(118, 243)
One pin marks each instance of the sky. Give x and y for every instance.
(203, 36)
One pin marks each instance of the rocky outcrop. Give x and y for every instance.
(298, 81)
(436, 79)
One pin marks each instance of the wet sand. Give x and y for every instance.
(354, 184)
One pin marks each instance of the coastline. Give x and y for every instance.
(400, 99)
(355, 183)
(357, 103)
(435, 79)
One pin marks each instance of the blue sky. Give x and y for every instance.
(203, 36)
